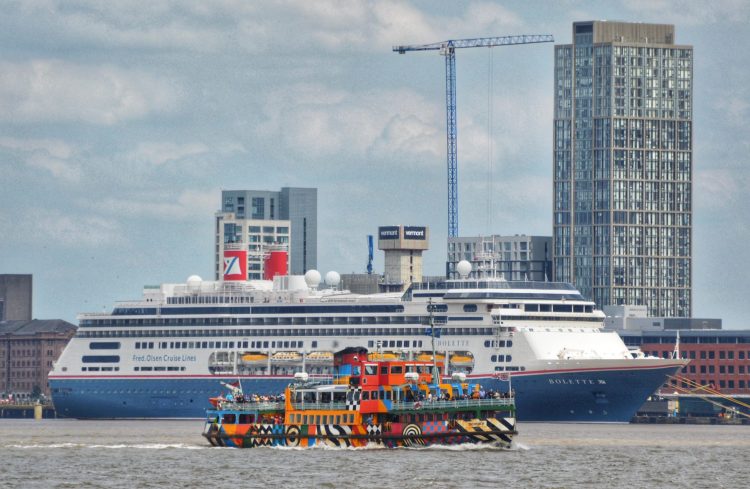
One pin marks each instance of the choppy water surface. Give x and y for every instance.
(173, 454)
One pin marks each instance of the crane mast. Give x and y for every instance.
(448, 49)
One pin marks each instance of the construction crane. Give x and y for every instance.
(369, 254)
(448, 49)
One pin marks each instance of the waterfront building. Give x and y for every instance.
(15, 297)
(623, 160)
(260, 220)
(28, 349)
(719, 359)
(518, 257)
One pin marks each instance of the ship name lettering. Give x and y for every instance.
(575, 381)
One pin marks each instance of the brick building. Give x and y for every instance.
(27, 351)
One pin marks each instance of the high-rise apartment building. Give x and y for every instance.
(260, 220)
(623, 159)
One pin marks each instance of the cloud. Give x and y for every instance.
(691, 12)
(184, 206)
(160, 153)
(282, 26)
(316, 121)
(57, 91)
(59, 229)
(51, 155)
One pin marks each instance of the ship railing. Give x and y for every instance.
(455, 403)
(253, 406)
(401, 405)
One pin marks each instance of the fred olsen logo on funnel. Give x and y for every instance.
(235, 265)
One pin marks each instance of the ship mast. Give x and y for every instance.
(435, 371)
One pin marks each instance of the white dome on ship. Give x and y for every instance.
(312, 278)
(194, 283)
(333, 278)
(463, 268)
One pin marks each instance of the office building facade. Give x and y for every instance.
(249, 215)
(623, 160)
(518, 257)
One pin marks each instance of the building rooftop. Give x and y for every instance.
(35, 326)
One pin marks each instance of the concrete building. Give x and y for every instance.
(259, 218)
(623, 166)
(15, 297)
(636, 318)
(518, 257)
(27, 350)
(361, 283)
(403, 247)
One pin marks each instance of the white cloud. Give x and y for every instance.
(47, 227)
(159, 153)
(316, 121)
(53, 90)
(691, 12)
(184, 206)
(52, 155)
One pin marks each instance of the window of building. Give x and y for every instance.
(258, 208)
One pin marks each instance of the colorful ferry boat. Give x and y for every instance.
(389, 403)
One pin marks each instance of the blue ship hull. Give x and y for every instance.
(607, 396)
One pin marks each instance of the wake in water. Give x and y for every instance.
(373, 446)
(140, 446)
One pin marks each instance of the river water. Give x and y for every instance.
(173, 454)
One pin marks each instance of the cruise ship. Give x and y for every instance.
(168, 353)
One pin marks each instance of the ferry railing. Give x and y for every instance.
(267, 406)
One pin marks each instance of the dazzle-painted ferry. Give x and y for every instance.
(166, 354)
(387, 403)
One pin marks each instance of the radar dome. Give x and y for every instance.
(463, 268)
(333, 278)
(312, 278)
(194, 283)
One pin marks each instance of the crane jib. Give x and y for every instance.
(447, 48)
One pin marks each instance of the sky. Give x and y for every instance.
(121, 122)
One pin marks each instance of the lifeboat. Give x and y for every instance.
(427, 357)
(286, 356)
(319, 357)
(461, 359)
(254, 358)
(381, 356)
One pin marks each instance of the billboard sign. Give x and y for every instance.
(415, 232)
(388, 232)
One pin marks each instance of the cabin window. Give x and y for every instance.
(374, 395)
(304, 419)
(339, 396)
(338, 419)
(325, 419)
(317, 419)
(387, 395)
(371, 369)
(397, 369)
(366, 395)
(247, 418)
(384, 370)
(228, 418)
(325, 397)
